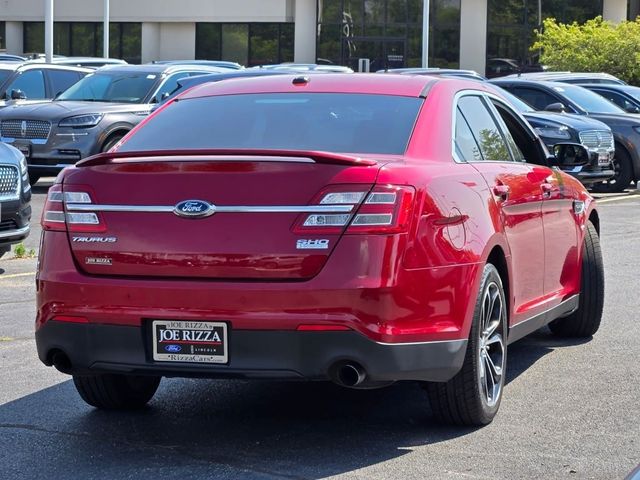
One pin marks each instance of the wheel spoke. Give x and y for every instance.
(489, 382)
(494, 370)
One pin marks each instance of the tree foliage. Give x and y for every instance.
(595, 46)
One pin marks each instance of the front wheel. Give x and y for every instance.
(115, 391)
(473, 396)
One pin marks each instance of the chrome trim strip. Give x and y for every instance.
(76, 207)
(452, 342)
(15, 233)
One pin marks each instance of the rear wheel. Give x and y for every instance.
(473, 396)
(623, 174)
(585, 321)
(116, 392)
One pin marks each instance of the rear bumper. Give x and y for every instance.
(252, 354)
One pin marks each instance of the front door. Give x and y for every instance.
(516, 189)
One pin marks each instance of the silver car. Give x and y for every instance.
(91, 116)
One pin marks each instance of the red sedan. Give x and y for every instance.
(363, 229)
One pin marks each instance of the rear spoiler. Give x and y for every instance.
(225, 155)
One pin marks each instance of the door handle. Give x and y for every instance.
(547, 188)
(501, 191)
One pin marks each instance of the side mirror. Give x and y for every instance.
(18, 95)
(164, 96)
(633, 109)
(570, 155)
(556, 107)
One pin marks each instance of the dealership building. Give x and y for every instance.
(463, 33)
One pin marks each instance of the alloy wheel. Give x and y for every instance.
(491, 345)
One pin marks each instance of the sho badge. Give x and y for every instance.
(321, 244)
(98, 261)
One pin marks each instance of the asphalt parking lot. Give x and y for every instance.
(571, 409)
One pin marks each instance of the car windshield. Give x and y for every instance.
(587, 100)
(341, 123)
(117, 87)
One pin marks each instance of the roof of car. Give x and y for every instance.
(613, 86)
(365, 83)
(560, 76)
(158, 68)
(50, 66)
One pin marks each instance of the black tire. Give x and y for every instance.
(462, 400)
(110, 142)
(116, 392)
(33, 178)
(623, 176)
(585, 321)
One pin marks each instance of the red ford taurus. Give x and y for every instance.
(362, 229)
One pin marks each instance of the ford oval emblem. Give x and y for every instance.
(173, 348)
(194, 209)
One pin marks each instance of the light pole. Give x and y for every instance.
(105, 30)
(425, 34)
(48, 30)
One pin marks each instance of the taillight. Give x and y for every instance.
(59, 213)
(385, 209)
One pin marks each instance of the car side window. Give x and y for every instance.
(538, 99)
(31, 83)
(467, 148)
(171, 83)
(484, 128)
(618, 99)
(522, 141)
(60, 80)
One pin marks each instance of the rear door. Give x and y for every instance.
(516, 189)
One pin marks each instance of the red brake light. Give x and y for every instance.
(57, 215)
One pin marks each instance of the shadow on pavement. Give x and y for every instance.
(228, 429)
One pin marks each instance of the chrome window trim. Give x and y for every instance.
(483, 95)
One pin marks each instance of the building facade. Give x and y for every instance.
(463, 33)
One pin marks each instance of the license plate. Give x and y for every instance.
(603, 159)
(192, 342)
(25, 149)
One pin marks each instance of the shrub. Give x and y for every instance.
(595, 46)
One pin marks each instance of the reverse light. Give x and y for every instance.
(386, 209)
(55, 217)
(81, 121)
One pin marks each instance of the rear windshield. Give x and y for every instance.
(340, 123)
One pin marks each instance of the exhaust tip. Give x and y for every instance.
(61, 362)
(349, 375)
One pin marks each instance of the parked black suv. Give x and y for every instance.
(91, 116)
(566, 98)
(15, 195)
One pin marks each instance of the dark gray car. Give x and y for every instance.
(15, 197)
(91, 116)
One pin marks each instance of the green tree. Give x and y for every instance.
(595, 46)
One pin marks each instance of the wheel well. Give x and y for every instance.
(117, 133)
(595, 219)
(498, 260)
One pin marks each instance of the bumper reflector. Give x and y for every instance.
(70, 319)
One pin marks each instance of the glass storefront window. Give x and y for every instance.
(84, 39)
(388, 32)
(3, 42)
(246, 43)
(511, 25)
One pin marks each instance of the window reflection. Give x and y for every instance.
(511, 25)
(387, 32)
